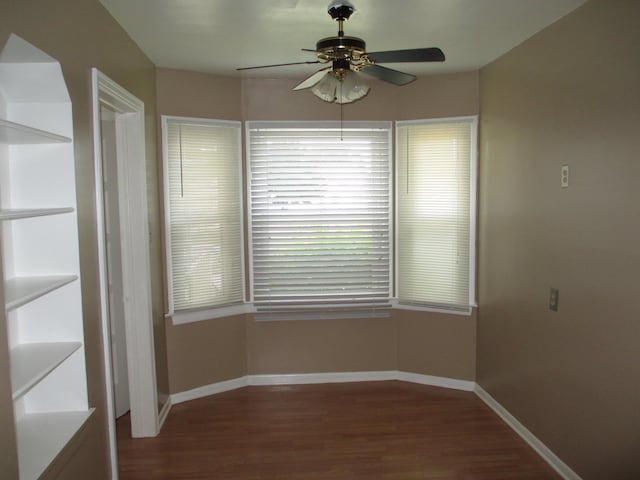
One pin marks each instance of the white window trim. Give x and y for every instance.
(189, 316)
(473, 209)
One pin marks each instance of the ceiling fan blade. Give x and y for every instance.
(388, 74)
(279, 65)
(432, 54)
(312, 80)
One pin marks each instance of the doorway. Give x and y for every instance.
(113, 250)
(123, 253)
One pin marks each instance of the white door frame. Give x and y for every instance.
(134, 238)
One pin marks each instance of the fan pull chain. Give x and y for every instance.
(181, 177)
(407, 159)
(341, 113)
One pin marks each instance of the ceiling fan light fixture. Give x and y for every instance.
(345, 87)
(326, 88)
(348, 56)
(351, 88)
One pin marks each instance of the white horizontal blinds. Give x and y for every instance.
(320, 210)
(434, 166)
(205, 213)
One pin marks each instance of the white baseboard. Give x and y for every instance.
(207, 390)
(164, 413)
(311, 378)
(445, 382)
(329, 377)
(542, 450)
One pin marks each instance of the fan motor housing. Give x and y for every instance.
(341, 47)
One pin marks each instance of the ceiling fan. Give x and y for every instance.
(342, 82)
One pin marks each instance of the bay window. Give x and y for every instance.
(320, 213)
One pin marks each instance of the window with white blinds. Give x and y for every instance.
(203, 213)
(435, 204)
(320, 215)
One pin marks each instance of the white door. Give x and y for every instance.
(113, 246)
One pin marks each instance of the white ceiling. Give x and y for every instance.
(218, 36)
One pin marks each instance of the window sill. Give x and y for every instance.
(345, 314)
(179, 318)
(464, 311)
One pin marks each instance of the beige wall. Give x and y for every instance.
(211, 351)
(81, 34)
(205, 352)
(313, 346)
(570, 95)
(431, 97)
(192, 94)
(436, 344)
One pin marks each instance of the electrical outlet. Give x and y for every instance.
(554, 296)
(564, 176)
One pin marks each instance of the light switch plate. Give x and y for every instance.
(564, 176)
(554, 296)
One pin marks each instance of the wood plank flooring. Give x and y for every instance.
(369, 430)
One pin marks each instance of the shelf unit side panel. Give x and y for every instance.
(5, 175)
(35, 450)
(56, 317)
(53, 117)
(35, 82)
(12, 328)
(3, 101)
(8, 258)
(31, 362)
(41, 176)
(46, 245)
(62, 390)
(6, 254)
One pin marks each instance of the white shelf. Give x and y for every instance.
(17, 134)
(18, 213)
(21, 290)
(31, 362)
(41, 438)
(46, 364)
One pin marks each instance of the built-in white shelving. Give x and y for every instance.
(40, 436)
(18, 213)
(18, 134)
(31, 362)
(40, 260)
(22, 290)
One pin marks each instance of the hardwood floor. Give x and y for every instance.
(369, 430)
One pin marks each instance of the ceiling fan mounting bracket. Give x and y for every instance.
(340, 10)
